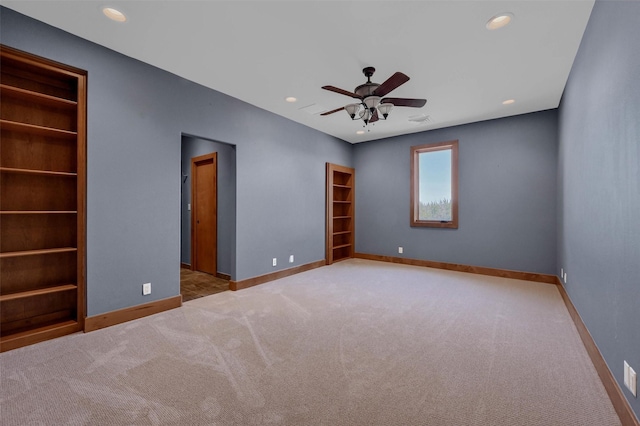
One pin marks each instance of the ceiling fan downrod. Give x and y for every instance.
(368, 72)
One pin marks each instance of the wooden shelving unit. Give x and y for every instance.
(42, 199)
(340, 212)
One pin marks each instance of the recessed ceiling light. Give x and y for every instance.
(499, 21)
(360, 132)
(114, 14)
(290, 99)
(508, 102)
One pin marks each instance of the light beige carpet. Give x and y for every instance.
(355, 343)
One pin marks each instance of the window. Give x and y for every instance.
(434, 185)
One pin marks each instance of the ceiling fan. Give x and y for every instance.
(371, 105)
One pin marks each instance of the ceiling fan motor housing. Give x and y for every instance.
(366, 89)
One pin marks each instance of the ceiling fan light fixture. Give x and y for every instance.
(385, 108)
(371, 102)
(499, 21)
(352, 109)
(365, 115)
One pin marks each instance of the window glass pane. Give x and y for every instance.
(434, 185)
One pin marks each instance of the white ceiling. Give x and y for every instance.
(263, 51)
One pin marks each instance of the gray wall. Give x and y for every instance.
(194, 147)
(599, 184)
(507, 196)
(510, 170)
(136, 116)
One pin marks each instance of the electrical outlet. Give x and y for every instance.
(400, 250)
(291, 259)
(189, 206)
(630, 378)
(146, 289)
(561, 272)
(565, 277)
(275, 261)
(626, 374)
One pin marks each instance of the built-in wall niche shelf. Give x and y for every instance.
(340, 247)
(42, 199)
(40, 252)
(40, 98)
(340, 212)
(32, 129)
(38, 292)
(37, 172)
(37, 212)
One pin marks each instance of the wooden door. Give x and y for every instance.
(204, 213)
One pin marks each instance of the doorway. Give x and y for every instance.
(204, 217)
(193, 283)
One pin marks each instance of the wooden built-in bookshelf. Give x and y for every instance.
(42, 198)
(340, 212)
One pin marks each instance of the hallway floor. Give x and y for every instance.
(194, 284)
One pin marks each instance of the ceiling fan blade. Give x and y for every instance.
(331, 112)
(404, 102)
(341, 91)
(374, 117)
(392, 83)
